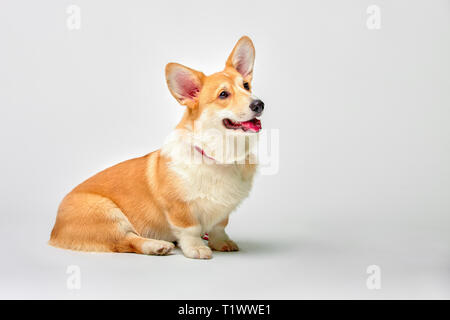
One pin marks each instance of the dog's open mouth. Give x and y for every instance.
(253, 125)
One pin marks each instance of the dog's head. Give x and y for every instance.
(222, 101)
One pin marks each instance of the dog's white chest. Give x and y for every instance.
(213, 191)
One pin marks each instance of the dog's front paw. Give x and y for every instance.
(198, 252)
(223, 245)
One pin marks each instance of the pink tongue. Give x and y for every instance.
(254, 125)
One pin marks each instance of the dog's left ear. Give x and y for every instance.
(242, 57)
(184, 83)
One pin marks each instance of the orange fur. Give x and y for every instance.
(137, 189)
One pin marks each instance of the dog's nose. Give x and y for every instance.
(257, 106)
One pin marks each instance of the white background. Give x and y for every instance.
(363, 116)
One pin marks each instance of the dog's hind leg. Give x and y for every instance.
(137, 244)
(90, 222)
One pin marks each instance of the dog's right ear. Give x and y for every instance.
(242, 57)
(184, 83)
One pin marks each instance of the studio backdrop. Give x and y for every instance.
(352, 195)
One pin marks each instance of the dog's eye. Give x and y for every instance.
(246, 86)
(223, 95)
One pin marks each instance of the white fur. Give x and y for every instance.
(152, 246)
(219, 240)
(190, 242)
(213, 190)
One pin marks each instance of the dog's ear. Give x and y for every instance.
(242, 57)
(184, 83)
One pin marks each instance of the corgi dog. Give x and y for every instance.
(147, 205)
